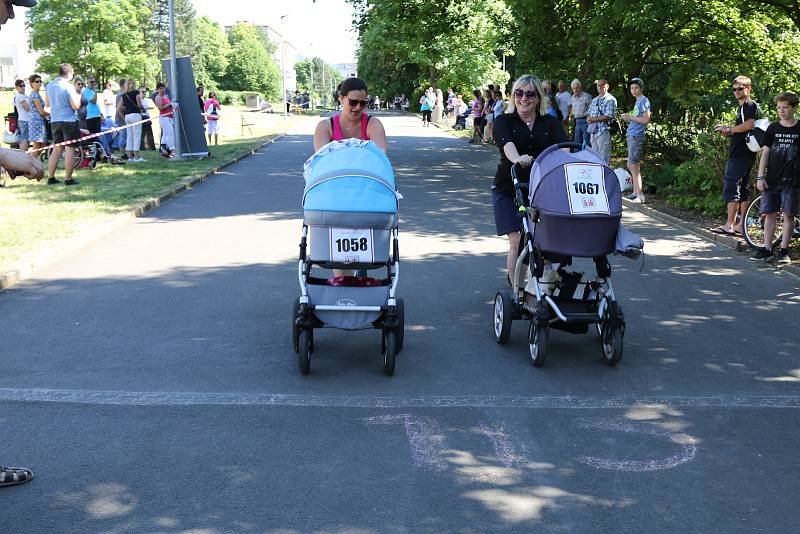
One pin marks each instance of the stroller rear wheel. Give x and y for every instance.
(390, 352)
(612, 331)
(537, 342)
(502, 316)
(304, 352)
(401, 324)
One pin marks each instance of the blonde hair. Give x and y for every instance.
(744, 80)
(536, 83)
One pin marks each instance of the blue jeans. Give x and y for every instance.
(121, 138)
(581, 135)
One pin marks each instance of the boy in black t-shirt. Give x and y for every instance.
(780, 187)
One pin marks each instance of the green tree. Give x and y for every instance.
(82, 32)
(408, 44)
(211, 50)
(317, 77)
(250, 67)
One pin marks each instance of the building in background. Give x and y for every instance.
(290, 53)
(17, 60)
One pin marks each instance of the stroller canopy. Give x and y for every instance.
(578, 184)
(349, 176)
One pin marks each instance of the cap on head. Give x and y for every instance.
(24, 3)
(637, 81)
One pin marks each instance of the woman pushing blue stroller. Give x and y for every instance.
(350, 222)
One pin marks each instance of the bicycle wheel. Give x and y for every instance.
(753, 226)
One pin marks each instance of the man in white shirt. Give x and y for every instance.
(564, 100)
(23, 107)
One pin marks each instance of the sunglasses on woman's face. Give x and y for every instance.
(519, 93)
(355, 103)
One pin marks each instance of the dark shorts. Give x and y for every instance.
(787, 196)
(736, 186)
(65, 131)
(506, 217)
(635, 145)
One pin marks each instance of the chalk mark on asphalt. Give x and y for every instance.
(163, 398)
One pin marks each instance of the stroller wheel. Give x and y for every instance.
(295, 326)
(458, 127)
(401, 324)
(537, 342)
(611, 342)
(390, 354)
(303, 355)
(502, 316)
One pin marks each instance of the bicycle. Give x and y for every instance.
(753, 226)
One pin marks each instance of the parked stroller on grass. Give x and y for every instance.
(350, 221)
(573, 208)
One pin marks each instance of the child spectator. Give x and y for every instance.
(780, 187)
(211, 107)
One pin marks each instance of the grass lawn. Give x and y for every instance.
(34, 215)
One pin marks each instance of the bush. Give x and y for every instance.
(231, 98)
(696, 187)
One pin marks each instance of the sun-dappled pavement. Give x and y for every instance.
(150, 382)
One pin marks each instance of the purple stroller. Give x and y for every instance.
(573, 209)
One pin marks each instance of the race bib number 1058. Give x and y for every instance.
(352, 245)
(586, 188)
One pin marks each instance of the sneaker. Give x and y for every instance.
(638, 200)
(632, 196)
(71, 182)
(761, 254)
(11, 476)
(52, 181)
(139, 159)
(782, 258)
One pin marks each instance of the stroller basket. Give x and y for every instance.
(577, 202)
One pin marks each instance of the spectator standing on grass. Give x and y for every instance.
(638, 120)
(38, 113)
(131, 104)
(602, 109)
(93, 115)
(148, 140)
(109, 101)
(736, 184)
(165, 120)
(563, 100)
(579, 108)
(15, 161)
(451, 103)
(212, 114)
(488, 115)
(23, 107)
(780, 184)
(202, 102)
(119, 117)
(64, 102)
(79, 86)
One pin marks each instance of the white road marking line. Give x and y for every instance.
(164, 398)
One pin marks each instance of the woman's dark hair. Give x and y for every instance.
(477, 93)
(351, 84)
(159, 85)
(33, 77)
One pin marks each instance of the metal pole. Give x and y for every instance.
(173, 81)
(283, 70)
(311, 96)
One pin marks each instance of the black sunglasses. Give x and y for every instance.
(739, 88)
(37, 81)
(519, 93)
(354, 103)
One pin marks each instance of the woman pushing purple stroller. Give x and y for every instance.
(573, 208)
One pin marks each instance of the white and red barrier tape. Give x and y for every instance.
(92, 136)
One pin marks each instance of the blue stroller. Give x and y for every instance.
(350, 221)
(573, 209)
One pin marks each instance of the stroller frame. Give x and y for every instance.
(392, 314)
(573, 315)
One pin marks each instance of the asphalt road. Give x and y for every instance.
(149, 380)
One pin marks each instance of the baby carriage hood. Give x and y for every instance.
(351, 176)
(579, 203)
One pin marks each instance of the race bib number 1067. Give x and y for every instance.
(352, 245)
(586, 188)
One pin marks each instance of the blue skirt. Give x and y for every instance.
(506, 217)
